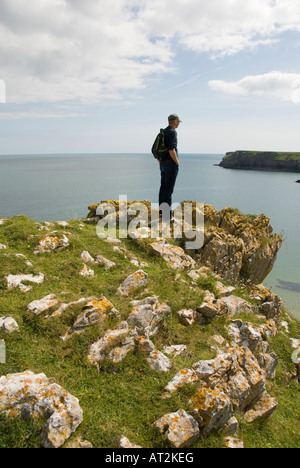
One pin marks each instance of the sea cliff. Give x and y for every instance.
(139, 342)
(262, 160)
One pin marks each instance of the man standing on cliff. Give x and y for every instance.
(169, 166)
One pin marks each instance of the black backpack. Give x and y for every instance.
(159, 150)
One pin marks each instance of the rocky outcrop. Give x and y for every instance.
(262, 160)
(238, 247)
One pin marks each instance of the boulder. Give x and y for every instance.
(93, 312)
(147, 315)
(178, 429)
(262, 408)
(33, 396)
(50, 243)
(132, 282)
(211, 408)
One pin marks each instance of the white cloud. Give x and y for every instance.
(277, 84)
(96, 51)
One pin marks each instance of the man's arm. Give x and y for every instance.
(174, 156)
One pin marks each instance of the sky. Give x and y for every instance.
(98, 76)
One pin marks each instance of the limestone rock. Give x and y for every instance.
(187, 317)
(124, 443)
(179, 429)
(46, 303)
(234, 443)
(86, 272)
(270, 302)
(50, 243)
(34, 395)
(209, 309)
(233, 305)
(98, 351)
(132, 282)
(175, 256)
(245, 334)
(93, 312)
(262, 409)
(148, 314)
(159, 361)
(183, 377)
(86, 257)
(237, 374)
(8, 324)
(212, 409)
(108, 264)
(239, 247)
(175, 350)
(16, 281)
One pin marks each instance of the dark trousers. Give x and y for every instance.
(169, 172)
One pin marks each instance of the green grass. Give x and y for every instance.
(125, 400)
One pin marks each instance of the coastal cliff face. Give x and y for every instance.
(262, 160)
(139, 342)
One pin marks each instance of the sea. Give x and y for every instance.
(60, 187)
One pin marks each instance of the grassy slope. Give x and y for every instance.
(126, 401)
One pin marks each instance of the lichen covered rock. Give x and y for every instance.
(32, 395)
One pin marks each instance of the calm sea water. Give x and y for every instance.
(60, 187)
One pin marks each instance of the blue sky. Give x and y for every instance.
(102, 76)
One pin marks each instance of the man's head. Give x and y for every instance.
(174, 120)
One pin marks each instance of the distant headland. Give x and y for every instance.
(262, 161)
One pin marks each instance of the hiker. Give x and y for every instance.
(169, 165)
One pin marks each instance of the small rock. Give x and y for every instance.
(183, 377)
(39, 306)
(8, 324)
(175, 350)
(16, 281)
(124, 443)
(86, 272)
(175, 256)
(86, 257)
(159, 362)
(233, 443)
(187, 317)
(100, 260)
